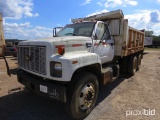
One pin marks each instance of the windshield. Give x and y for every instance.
(77, 29)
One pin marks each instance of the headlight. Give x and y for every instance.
(55, 69)
(58, 66)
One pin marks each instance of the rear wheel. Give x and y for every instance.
(139, 57)
(132, 65)
(82, 95)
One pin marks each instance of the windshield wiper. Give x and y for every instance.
(74, 34)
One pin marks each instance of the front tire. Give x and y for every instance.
(82, 95)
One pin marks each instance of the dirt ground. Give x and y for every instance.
(132, 98)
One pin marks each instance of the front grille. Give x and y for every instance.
(32, 58)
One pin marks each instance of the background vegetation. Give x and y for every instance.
(156, 39)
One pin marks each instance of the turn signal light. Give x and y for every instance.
(61, 50)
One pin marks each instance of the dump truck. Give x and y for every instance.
(80, 59)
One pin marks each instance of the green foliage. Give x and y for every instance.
(151, 49)
(156, 40)
(148, 33)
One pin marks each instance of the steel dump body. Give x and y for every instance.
(134, 41)
(127, 39)
(2, 42)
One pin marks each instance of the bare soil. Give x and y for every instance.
(123, 99)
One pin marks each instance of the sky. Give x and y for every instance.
(32, 19)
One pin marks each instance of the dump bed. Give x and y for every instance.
(2, 42)
(127, 39)
(132, 40)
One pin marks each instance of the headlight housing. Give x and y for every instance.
(55, 69)
(58, 66)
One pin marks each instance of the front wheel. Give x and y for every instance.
(82, 95)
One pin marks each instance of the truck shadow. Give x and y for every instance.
(144, 53)
(14, 58)
(24, 105)
(107, 89)
(13, 71)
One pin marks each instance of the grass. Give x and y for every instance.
(155, 49)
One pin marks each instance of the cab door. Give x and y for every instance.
(103, 44)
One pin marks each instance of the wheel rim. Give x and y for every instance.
(87, 96)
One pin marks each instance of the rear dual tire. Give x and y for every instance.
(132, 67)
(134, 64)
(139, 57)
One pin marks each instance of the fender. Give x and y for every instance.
(75, 60)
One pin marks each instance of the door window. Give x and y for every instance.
(102, 31)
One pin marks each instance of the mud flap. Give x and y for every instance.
(8, 71)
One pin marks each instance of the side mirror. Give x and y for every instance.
(114, 27)
(56, 30)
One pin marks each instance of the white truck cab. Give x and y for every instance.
(72, 66)
(98, 31)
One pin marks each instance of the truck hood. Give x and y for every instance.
(71, 43)
(68, 38)
(55, 40)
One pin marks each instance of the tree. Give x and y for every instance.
(156, 38)
(148, 33)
